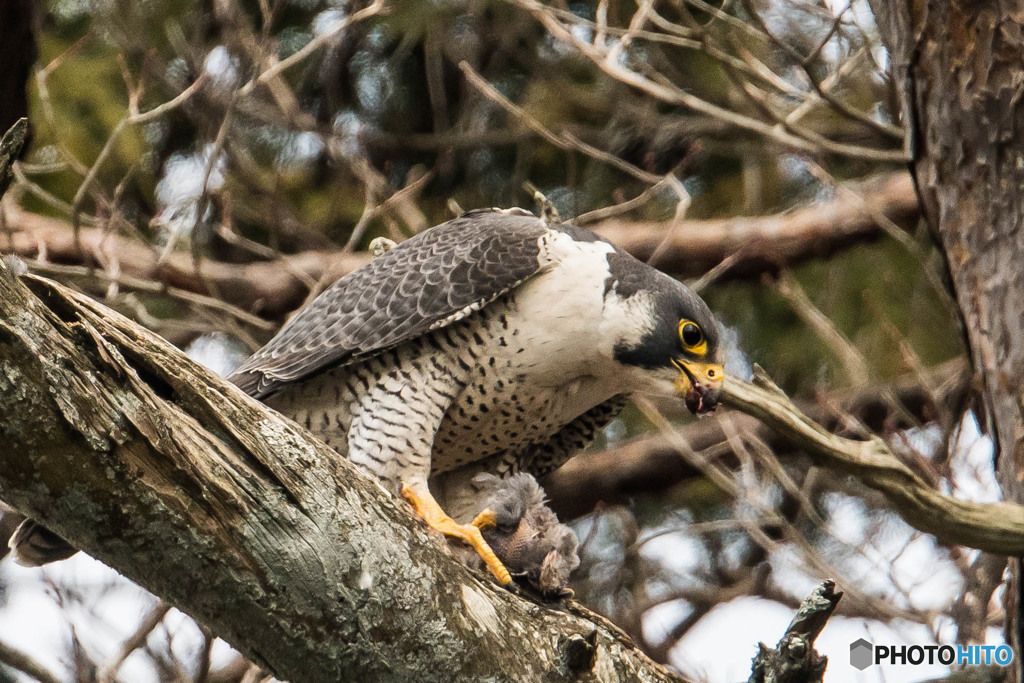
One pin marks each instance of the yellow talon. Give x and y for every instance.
(485, 520)
(436, 518)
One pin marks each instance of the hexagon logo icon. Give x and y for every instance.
(861, 652)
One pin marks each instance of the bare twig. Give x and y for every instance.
(563, 140)
(747, 246)
(992, 527)
(651, 464)
(376, 8)
(108, 670)
(133, 117)
(140, 284)
(766, 516)
(671, 94)
(852, 360)
(21, 662)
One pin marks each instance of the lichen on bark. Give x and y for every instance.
(237, 516)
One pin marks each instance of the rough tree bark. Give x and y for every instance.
(794, 659)
(237, 516)
(959, 66)
(243, 520)
(212, 501)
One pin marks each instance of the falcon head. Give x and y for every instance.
(700, 367)
(676, 348)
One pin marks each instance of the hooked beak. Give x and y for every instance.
(699, 384)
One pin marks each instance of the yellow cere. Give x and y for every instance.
(692, 337)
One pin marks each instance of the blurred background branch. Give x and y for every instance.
(752, 246)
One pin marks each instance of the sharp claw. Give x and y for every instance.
(485, 520)
(436, 518)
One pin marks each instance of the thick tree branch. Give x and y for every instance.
(177, 475)
(794, 659)
(652, 463)
(769, 243)
(232, 513)
(273, 288)
(269, 288)
(992, 527)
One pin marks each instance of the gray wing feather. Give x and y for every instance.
(428, 281)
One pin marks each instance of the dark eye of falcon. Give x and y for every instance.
(691, 335)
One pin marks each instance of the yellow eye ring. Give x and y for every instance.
(692, 337)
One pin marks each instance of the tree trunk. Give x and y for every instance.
(960, 68)
(209, 499)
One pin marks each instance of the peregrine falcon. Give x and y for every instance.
(494, 343)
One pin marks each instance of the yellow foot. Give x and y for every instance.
(427, 508)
